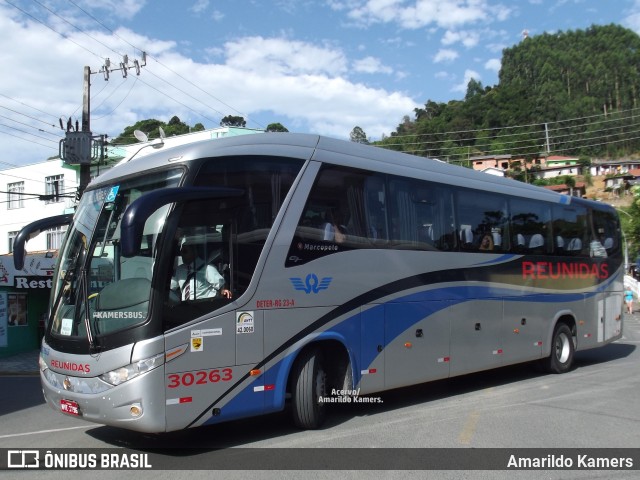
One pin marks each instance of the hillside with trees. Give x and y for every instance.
(568, 93)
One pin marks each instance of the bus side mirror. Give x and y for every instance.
(136, 214)
(32, 230)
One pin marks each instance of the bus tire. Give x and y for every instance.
(562, 350)
(309, 385)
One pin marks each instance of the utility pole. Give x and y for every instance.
(80, 146)
(85, 167)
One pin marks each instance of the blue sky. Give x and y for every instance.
(321, 66)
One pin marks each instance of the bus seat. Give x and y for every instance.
(466, 236)
(497, 239)
(537, 240)
(575, 244)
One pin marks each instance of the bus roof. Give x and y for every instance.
(339, 152)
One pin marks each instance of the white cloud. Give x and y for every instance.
(200, 6)
(282, 56)
(119, 8)
(371, 65)
(493, 64)
(468, 75)
(422, 13)
(445, 55)
(467, 38)
(302, 85)
(632, 17)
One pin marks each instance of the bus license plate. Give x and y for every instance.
(69, 406)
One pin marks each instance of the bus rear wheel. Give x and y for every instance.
(309, 389)
(562, 350)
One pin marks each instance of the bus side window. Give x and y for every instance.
(531, 227)
(376, 209)
(482, 219)
(570, 233)
(606, 230)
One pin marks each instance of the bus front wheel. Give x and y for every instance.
(309, 390)
(562, 350)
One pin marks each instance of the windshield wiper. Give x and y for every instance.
(84, 292)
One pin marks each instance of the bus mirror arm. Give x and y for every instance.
(141, 209)
(32, 230)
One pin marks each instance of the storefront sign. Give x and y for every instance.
(32, 282)
(36, 265)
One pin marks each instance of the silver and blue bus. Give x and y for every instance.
(351, 270)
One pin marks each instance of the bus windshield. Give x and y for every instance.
(96, 290)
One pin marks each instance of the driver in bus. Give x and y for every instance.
(196, 279)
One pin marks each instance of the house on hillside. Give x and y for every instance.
(619, 184)
(481, 163)
(555, 161)
(610, 167)
(557, 166)
(579, 190)
(503, 162)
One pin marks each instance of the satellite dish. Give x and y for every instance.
(140, 135)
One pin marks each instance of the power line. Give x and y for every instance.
(30, 141)
(52, 29)
(28, 125)
(581, 132)
(169, 69)
(26, 105)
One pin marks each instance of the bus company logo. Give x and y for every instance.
(562, 270)
(311, 283)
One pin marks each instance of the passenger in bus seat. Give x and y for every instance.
(486, 244)
(196, 279)
(334, 229)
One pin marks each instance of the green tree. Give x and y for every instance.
(358, 135)
(544, 80)
(233, 121)
(276, 127)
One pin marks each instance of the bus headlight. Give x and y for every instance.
(41, 363)
(123, 374)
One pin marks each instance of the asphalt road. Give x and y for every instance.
(593, 406)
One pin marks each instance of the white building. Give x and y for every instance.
(28, 193)
(21, 204)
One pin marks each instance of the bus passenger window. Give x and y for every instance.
(482, 218)
(570, 233)
(530, 227)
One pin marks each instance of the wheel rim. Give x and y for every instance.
(563, 349)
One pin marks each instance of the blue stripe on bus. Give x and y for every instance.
(418, 306)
